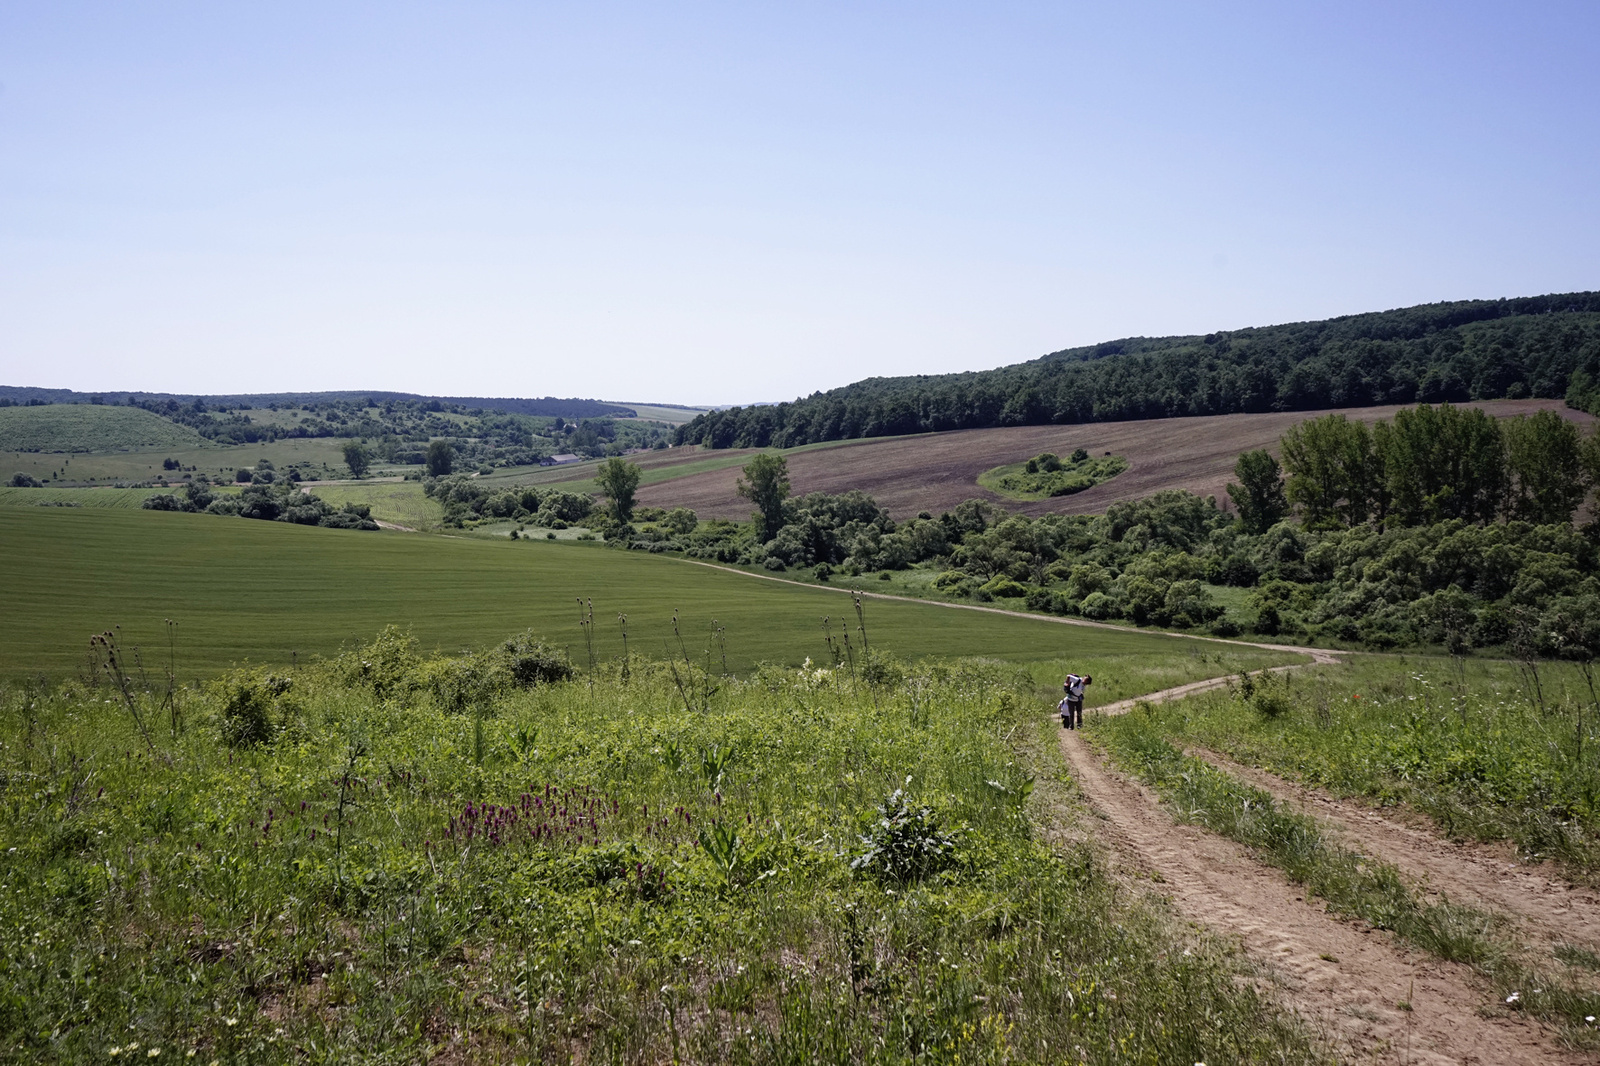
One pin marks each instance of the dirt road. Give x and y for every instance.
(1548, 911)
(1380, 1000)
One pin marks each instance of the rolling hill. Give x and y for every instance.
(89, 427)
(1467, 350)
(934, 472)
(549, 406)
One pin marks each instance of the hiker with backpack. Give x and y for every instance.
(1071, 705)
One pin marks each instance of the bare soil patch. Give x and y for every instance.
(936, 471)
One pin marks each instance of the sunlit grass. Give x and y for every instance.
(643, 870)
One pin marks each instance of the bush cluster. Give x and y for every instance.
(466, 501)
(1048, 475)
(267, 501)
(393, 667)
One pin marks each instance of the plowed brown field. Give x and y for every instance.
(935, 471)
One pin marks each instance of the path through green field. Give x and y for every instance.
(264, 590)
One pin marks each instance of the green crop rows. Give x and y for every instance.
(267, 591)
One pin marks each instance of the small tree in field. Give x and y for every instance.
(619, 479)
(766, 484)
(357, 458)
(441, 458)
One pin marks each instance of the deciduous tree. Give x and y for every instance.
(441, 458)
(357, 458)
(619, 480)
(1548, 478)
(1259, 495)
(766, 484)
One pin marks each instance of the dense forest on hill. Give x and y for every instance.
(545, 407)
(1445, 352)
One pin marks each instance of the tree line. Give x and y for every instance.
(1431, 464)
(1449, 352)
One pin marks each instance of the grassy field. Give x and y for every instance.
(265, 590)
(82, 427)
(797, 869)
(671, 415)
(402, 503)
(655, 467)
(121, 499)
(311, 454)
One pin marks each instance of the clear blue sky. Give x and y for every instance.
(724, 203)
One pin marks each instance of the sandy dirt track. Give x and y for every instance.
(1349, 981)
(1549, 911)
(934, 472)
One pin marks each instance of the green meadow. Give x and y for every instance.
(401, 502)
(82, 427)
(269, 592)
(50, 496)
(311, 454)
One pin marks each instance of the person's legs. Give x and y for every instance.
(1077, 707)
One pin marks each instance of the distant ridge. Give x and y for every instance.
(1534, 346)
(548, 406)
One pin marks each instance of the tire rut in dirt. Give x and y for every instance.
(1349, 981)
(1549, 910)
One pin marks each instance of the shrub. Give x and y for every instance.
(1003, 587)
(530, 661)
(459, 685)
(680, 521)
(248, 703)
(878, 668)
(385, 666)
(905, 844)
(1189, 604)
(23, 481)
(1267, 693)
(1099, 606)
